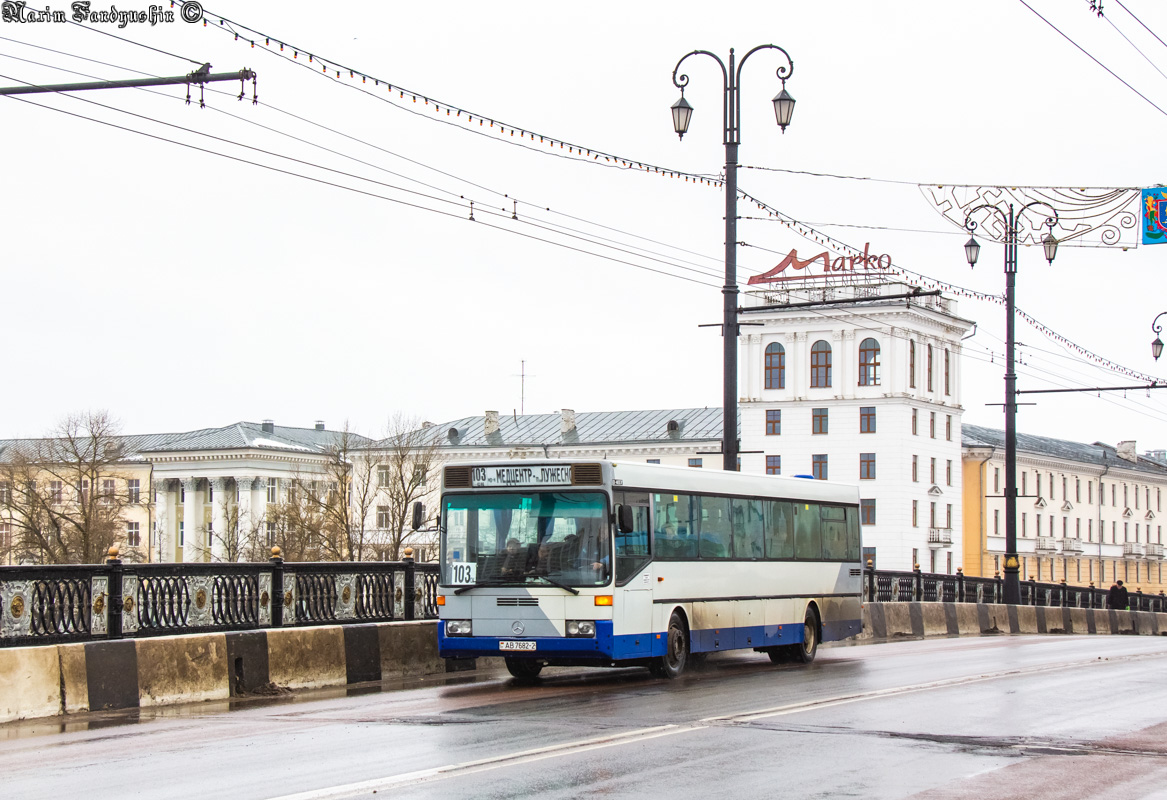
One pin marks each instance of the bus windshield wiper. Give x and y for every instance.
(479, 585)
(559, 585)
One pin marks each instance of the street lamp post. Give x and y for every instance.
(1157, 345)
(971, 249)
(731, 119)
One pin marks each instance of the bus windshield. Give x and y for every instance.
(535, 538)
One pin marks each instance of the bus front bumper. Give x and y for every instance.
(551, 648)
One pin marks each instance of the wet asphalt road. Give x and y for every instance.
(1033, 717)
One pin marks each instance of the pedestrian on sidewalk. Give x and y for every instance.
(1118, 598)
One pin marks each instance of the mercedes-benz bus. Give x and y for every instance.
(613, 563)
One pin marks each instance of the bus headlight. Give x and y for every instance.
(583, 628)
(458, 627)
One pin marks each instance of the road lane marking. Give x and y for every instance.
(495, 762)
(643, 734)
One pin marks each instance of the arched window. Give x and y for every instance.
(929, 367)
(775, 366)
(869, 363)
(820, 365)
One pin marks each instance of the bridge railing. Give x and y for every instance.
(55, 604)
(886, 586)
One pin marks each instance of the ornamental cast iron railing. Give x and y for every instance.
(54, 604)
(883, 586)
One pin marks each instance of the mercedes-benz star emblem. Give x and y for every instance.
(518, 628)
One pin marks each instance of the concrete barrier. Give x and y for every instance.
(30, 683)
(307, 658)
(887, 621)
(182, 669)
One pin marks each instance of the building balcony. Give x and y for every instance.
(1071, 547)
(940, 537)
(1134, 549)
(1046, 545)
(1154, 550)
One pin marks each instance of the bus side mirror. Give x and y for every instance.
(624, 518)
(418, 515)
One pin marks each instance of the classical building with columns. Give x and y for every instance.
(212, 487)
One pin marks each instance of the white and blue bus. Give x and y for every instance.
(603, 563)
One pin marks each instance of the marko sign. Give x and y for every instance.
(801, 269)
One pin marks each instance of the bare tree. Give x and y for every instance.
(240, 540)
(408, 458)
(66, 495)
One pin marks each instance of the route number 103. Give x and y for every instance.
(462, 573)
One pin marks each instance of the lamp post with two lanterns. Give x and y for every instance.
(1010, 220)
(731, 124)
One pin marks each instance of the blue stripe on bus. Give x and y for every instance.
(607, 647)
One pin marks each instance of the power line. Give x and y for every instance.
(131, 41)
(917, 184)
(1136, 19)
(1092, 58)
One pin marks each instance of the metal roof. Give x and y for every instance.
(241, 435)
(591, 428)
(1097, 454)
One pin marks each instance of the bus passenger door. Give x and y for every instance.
(633, 623)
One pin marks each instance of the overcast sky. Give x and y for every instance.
(180, 289)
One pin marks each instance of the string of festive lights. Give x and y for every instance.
(398, 94)
(926, 282)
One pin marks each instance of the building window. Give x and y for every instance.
(915, 469)
(273, 490)
(5, 493)
(996, 479)
(869, 363)
(5, 536)
(181, 533)
(818, 467)
(915, 558)
(383, 517)
(134, 490)
(1090, 530)
(932, 424)
(948, 427)
(1090, 493)
(1024, 524)
(820, 365)
(773, 465)
(948, 516)
(1024, 477)
(867, 512)
(818, 420)
(996, 522)
(1077, 490)
(56, 492)
(695, 462)
(915, 513)
(948, 473)
(932, 470)
(867, 419)
(912, 364)
(867, 466)
(210, 492)
(133, 534)
(1037, 477)
(929, 367)
(947, 380)
(932, 515)
(915, 421)
(384, 477)
(775, 366)
(773, 422)
(652, 461)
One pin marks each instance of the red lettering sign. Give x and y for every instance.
(840, 264)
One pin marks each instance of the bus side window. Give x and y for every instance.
(716, 541)
(834, 530)
(779, 529)
(854, 549)
(632, 548)
(808, 541)
(748, 527)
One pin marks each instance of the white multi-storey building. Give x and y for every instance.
(861, 383)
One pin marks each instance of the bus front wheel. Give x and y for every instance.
(524, 669)
(804, 652)
(672, 663)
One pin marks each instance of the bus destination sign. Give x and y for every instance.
(520, 476)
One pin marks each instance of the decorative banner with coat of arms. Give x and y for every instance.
(1154, 215)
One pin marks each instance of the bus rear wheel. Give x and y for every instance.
(804, 652)
(672, 663)
(524, 669)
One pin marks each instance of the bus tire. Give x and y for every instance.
(672, 663)
(778, 655)
(804, 652)
(524, 669)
